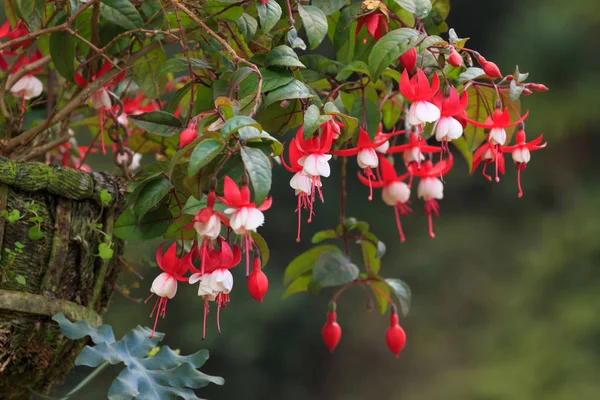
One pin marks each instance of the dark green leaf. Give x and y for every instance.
(154, 224)
(272, 80)
(283, 56)
(367, 109)
(324, 235)
(62, 51)
(259, 170)
(402, 292)
(293, 90)
(261, 243)
(328, 6)
(181, 64)
(32, 12)
(269, 14)
(151, 196)
(159, 123)
(247, 26)
(421, 8)
(315, 24)
(351, 123)
(387, 49)
(204, 153)
(332, 268)
(312, 120)
(122, 13)
(235, 123)
(304, 263)
(145, 72)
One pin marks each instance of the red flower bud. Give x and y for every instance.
(509, 78)
(395, 336)
(258, 284)
(538, 87)
(491, 69)
(188, 135)
(455, 58)
(408, 60)
(332, 332)
(526, 92)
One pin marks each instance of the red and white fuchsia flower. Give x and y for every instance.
(28, 86)
(165, 284)
(413, 151)
(418, 90)
(448, 128)
(376, 20)
(521, 152)
(207, 223)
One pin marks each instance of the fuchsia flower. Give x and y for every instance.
(189, 134)
(395, 192)
(491, 151)
(418, 90)
(448, 128)
(246, 217)
(19, 30)
(375, 22)
(408, 60)
(216, 282)
(28, 86)
(431, 187)
(521, 152)
(366, 153)
(101, 99)
(165, 284)
(412, 152)
(133, 106)
(207, 224)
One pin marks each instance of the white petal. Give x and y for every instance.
(239, 220)
(323, 165)
(101, 100)
(412, 154)
(456, 129)
(164, 285)
(521, 155)
(367, 158)
(230, 210)
(426, 111)
(412, 115)
(497, 136)
(396, 192)
(383, 148)
(301, 183)
(255, 219)
(430, 188)
(195, 278)
(309, 165)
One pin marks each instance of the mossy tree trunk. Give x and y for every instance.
(61, 272)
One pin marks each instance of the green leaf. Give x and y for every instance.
(268, 14)
(402, 292)
(259, 170)
(151, 196)
(421, 8)
(164, 375)
(32, 12)
(13, 216)
(461, 145)
(234, 124)
(298, 285)
(351, 123)
(247, 25)
(387, 49)
(105, 197)
(373, 115)
(324, 235)
(293, 90)
(250, 133)
(122, 13)
(204, 153)
(332, 268)
(152, 225)
(261, 243)
(159, 123)
(35, 233)
(223, 10)
(315, 24)
(145, 72)
(105, 252)
(272, 79)
(283, 56)
(381, 292)
(369, 252)
(355, 66)
(304, 263)
(294, 40)
(62, 51)
(470, 74)
(181, 64)
(328, 6)
(313, 119)
(20, 280)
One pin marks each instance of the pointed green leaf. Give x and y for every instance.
(204, 153)
(122, 13)
(304, 263)
(294, 40)
(159, 123)
(402, 292)
(312, 120)
(151, 196)
(247, 25)
(268, 14)
(329, 6)
(324, 235)
(298, 285)
(234, 124)
(389, 48)
(283, 56)
(154, 224)
(293, 90)
(332, 268)
(181, 64)
(315, 24)
(258, 166)
(62, 51)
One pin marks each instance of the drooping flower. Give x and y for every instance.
(189, 134)
(418, 90)
(18, 31)
(332, 331)
(216, 282)
(374, 16)
(489, 153)
(413, 151)
(28, 86)
(521, 152)
(395, 192)
(101, 98)
(165, 284)
(258, 283)
(207, 223)
(448, 128)
(246, 217)
(366, 154)
(408, 60)
(431, 187)
(133, 106)
(395, 337)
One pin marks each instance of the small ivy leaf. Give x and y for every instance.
(304, 263)
(160, 123)
(105, 252)
(283, 56)
(315, 24)
(389, 48)
(204, 153)
(332, 268)
(268, 14)
(20, 280)
(402, 292)
(14, 216)
(258, 166)
(105, 197)
(35, 233)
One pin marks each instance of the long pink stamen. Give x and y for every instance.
(299, 211)
(248, 248)
(202, 255)
(519, 180)
(204, 322)
(101, 123)
(161, 309)
(398, 224)
(486, 176)
(219, 316)
(430, 219)
(370, 174)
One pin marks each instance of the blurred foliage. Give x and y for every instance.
(505, 299)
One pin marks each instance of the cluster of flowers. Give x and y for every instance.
(308, 158)
(215, 253)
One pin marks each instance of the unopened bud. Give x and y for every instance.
(395, 337)
(526, 92)
(331, 332)
(258, 284)
(491, 69)
(538, 87)
(188, 135)
(408, 60)
(455, 58)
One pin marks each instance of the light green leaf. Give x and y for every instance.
(181, 64)
(298, 285)
(389, 48)
(421, 8)
(268, 14)
(369, 253)
(304, 263)
(324, 235)
(315, 24)
(204, 153)
(332, 268)
(261, 243)
(35, 233)
(122, 13)
(283, 56)
(259, 170)
(223, 10)
(402, 292)
(470, 74)
(105, 252)
(234, 124)
(20, 280)
(159, 123)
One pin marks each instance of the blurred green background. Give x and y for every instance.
(506, 298)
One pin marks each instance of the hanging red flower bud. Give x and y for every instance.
(489, 68)
(189, 134)
(526, 92)
(455, 59)
(258, 284)
(395, 336)
(332, 332)
(538, 87)
(408, 60)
